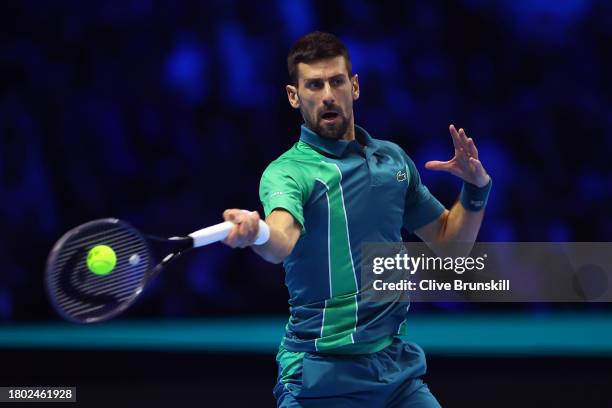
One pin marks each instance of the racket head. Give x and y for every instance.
(81, 296)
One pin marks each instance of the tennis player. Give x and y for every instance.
(335, 188)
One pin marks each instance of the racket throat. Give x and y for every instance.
(170, 248)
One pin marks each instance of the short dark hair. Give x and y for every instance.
(313, 47)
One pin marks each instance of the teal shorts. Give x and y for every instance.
(388, 378)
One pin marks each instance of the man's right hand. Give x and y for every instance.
(246, 227)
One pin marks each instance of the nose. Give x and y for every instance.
(328, 95)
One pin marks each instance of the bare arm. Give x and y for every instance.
(459, 224)
(284, 233)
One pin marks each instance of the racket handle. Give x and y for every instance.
(220, 231)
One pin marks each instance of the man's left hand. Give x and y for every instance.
(465, 164)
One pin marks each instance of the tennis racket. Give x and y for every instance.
(82, 295)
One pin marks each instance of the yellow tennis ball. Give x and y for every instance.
(101, 259)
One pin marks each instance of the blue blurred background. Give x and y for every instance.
(165, 113)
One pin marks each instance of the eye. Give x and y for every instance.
(314, 85)
(337, 81)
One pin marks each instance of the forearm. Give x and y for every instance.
(458, 229)
(461, 225)
(284, 234)
(277, 248)
(455, 232)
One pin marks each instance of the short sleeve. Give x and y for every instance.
(280, 189)
(421, 206)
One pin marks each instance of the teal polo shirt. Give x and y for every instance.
(342, 194)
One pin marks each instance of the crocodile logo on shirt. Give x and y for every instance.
(401, 175)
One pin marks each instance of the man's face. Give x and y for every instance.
(325, 96)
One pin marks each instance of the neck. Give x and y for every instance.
(349, 136)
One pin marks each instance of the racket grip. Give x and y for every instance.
(220, 231)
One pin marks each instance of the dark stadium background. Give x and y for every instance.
(165, 113)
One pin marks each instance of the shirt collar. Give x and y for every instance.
(335, 148)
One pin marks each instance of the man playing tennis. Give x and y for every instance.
(334, 189)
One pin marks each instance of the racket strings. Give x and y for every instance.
(85, 296)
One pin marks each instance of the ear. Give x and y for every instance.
(355, 86)
(292, 95)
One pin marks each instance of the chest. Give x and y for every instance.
(361, 186)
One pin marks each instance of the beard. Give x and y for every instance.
(333, 131)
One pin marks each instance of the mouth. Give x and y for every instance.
(330, 116)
